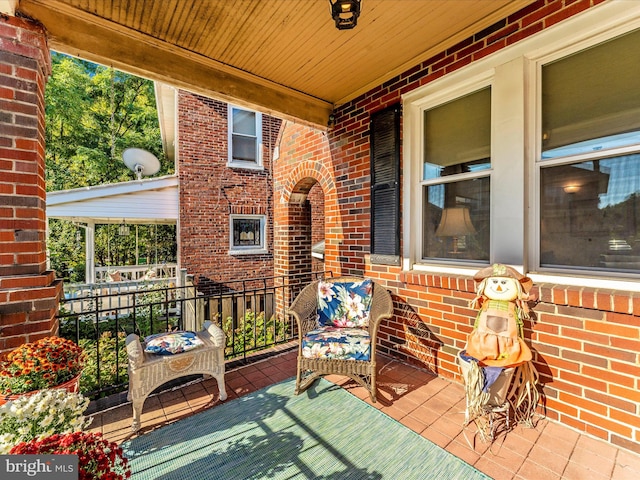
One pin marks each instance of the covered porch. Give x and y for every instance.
(431, 406)
(404, 62)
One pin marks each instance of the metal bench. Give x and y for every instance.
(148, 371)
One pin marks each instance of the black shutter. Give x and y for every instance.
(385, 186)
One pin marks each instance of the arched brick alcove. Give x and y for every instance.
(299, 186)
(293, 181)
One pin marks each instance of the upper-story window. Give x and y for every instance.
(590, 158)
(530, 157)
(245, 138)
(455, 178)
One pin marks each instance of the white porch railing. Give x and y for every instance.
(114, 283)
(134, 273)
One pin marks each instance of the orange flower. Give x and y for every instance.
(45, 363)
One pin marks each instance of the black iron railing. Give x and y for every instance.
(251, 312)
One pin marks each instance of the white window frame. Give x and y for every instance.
(513, 72)
(233, 163)
(537, 64)
(433, 101)
(248, 250)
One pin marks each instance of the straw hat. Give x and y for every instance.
(499, 270)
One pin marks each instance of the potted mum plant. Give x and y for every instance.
(98, 458)
(51, 362)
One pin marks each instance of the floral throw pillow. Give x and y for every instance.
(172, 343)
(344, 304)
(337, 344)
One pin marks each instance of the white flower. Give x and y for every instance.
(77, 423)
(7, 440)
(16, 410)
(326, 291)
(40, 415)
(355, 306)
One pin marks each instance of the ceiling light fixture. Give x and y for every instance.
(123, 230)
(345, 13)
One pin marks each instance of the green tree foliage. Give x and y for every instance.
(67, 251)
(156, 244)
(94, 113)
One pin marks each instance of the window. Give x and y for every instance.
(457, 157)
(531, 157)
(590, 161)
(248, 234)
(245, 138)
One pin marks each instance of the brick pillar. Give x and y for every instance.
(29, 294)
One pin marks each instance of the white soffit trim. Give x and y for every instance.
(8, 6)
(110, 190)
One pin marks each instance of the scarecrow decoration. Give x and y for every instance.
(496, 351)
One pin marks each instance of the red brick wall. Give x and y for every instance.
(585, 343)
(585, 340)
(24, 69)
(303, 163)
(316, 199)
(29, 294)
(210, 191)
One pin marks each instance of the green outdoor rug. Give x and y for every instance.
(324, 433)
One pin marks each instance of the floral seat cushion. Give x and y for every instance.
(344, 304)
(172, 343)
(337, 343)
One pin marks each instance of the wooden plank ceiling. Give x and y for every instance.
(283, 57)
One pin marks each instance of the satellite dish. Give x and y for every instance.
(141, 162)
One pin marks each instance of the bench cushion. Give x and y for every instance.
(337, 343)
(172, 343)
(344, 304)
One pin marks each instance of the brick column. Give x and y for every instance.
(29, 294)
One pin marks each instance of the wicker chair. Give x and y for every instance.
(305, 310)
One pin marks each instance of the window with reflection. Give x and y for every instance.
(457, 152)
(247, 233)
(590, 165)
(456, 220)
(245, 128)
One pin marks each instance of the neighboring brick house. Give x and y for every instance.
(226, 194)
(516, 119)
(226, 189)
